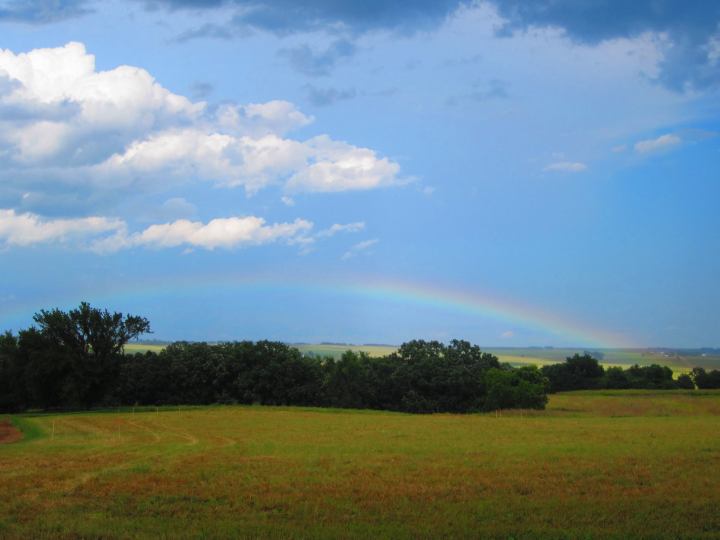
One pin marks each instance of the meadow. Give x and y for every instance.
(597, 464)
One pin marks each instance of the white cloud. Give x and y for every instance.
(225, 233)
(338, 227)
(566, 166)
(107, 235)
(507, 334)
(339, 166)
(125, 102)
(287, 201)
(359, 248)
(119, 128)
(661, 143)
(223, 159)
(278, 117)
(27, 229)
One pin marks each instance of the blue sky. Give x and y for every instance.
(253, 169)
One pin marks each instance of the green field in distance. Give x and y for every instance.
(602, 464)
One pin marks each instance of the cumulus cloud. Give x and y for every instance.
(663, 142)
(67, 104)
(339, 166)
(274, 117)
(358, 248)
(109, 235)
(26, 229)
(566, 166)
(218, 233)
(75, 125)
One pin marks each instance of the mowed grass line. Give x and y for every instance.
(594, 465)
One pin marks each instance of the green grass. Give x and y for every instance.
(615, 464)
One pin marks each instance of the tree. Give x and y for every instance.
(576, 373)
(706, 379)
(88, 331)
(684, 381)
(92, 340)
(523, 388)
(12, 385)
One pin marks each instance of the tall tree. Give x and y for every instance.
(93, 340)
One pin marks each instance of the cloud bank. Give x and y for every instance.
(105, 235)
(63, 122)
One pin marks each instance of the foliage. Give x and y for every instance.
(74, 360)
(578, 372)
(585, 373)
(706, 379)
(71, 359)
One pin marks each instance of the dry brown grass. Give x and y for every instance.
(8, 432)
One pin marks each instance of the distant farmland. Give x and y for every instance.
(602, 464)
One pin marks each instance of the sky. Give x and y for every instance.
(513, 173)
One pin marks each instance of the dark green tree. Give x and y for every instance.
(684, 381)
(578, 372)
(92, 340)
(706, 379)
(12, 381)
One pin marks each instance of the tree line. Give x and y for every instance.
(75, 360)
(584, 372)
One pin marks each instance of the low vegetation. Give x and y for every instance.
(593, 465)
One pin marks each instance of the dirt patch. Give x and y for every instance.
(8, 432)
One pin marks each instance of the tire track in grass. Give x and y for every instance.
(84, 478)
(154, 434)
(72, 429)
(192, 440)
(85, 428)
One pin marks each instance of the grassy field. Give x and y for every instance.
(633, 464)
(132, 348)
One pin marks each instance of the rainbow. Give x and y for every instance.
(467, 302)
